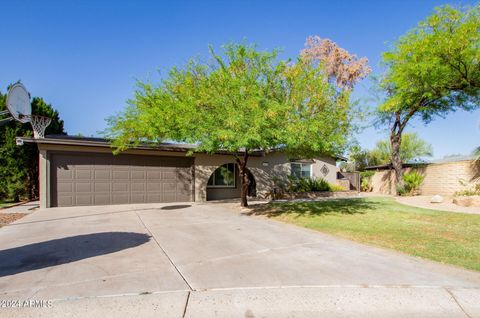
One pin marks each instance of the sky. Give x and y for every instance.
(84, 57)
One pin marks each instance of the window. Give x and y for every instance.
(224, 176)
(301, 170)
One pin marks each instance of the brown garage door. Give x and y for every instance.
(101, 179)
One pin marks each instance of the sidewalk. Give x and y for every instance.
(27, 207)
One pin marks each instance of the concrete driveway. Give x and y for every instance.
(203, 260)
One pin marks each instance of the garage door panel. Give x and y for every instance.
(65, 173)
(81, 174)
(102, 199)
(102, 187)
(169, 187)
(136, 187)
(137, 175)
(120, 198)
(153, 198)
(120, 187)
(83, 199)
(169, 197)
(102, 174)
(121, 175)
(100, 179)
(157, 187)
(169, 175)
(83, 187)
(65, 187)
(66, 200)
(154, 175)
(137, 198)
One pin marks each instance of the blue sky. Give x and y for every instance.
(84, 56)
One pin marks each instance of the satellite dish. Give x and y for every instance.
(18, 103)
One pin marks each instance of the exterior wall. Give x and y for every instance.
(443, 178)
(263, 168)
(43, 179)
(331, 164)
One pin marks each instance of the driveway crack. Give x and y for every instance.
(165, 252)
(186, 304)
(458, 304)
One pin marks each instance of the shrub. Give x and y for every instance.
(293, 184)
(401, 190)
(412, 181)
(366, 181)
(336, 188)
(475, 190)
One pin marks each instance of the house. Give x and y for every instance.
(83, 171)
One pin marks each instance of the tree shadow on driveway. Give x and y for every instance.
(66, 250)
(314, 208)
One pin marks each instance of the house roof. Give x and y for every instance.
(102, 142)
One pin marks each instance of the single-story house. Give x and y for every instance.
(83, 171)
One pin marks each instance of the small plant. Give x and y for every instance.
(337, 188)
(475, 190)
(366, 181)
(412, 182)
(401, 190)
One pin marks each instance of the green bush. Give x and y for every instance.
(336, 188)
(401, 190)
(412, 181)
(366, 180)
(307, 185)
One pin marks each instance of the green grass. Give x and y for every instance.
(451, 238)
(5, 203)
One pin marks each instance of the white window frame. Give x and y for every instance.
(224, 186)
(301, 164)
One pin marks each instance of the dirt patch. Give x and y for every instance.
(6, 218)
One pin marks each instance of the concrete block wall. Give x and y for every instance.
(441, 178)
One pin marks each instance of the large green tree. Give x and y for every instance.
(19, 164)
(241, 101)
(432, 70)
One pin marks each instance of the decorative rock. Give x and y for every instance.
(473, 200)
(436, 199)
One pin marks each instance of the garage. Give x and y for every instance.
(101, 179)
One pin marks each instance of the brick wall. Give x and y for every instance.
(440, 178)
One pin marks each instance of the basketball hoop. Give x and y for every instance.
(39, 124)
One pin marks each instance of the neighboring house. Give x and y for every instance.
(83, 171)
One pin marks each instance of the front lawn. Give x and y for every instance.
(446, 237)
(5, 203)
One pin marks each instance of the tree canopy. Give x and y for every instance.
(432, 70)
(412, 149)
(19, 164)
(241, 100)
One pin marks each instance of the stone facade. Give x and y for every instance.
(440, 178)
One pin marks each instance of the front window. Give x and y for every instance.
(301, 170)
(223, 176)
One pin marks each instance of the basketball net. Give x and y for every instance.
(39, 124)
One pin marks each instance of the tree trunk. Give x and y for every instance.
(395, 141)
(242, 165)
